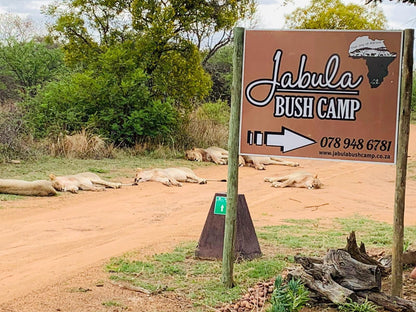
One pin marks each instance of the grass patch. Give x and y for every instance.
(200, 280)
(113, 303)
(121, 166)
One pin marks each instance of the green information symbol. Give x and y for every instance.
(220, 205)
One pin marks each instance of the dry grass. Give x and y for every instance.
(204, 133)
(81, 145)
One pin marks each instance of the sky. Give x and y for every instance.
(270, 13)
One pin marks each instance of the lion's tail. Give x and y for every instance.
(217, 180)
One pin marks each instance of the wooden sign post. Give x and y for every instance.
(401, 166)
(233, 146)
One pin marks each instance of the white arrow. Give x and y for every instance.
(287, 139)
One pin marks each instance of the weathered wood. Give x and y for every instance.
(358, 253)
(339, 277)
(351, 273)
(390, 303)
(233, 142)
(408, 258)
(324, 286)
(401, 166)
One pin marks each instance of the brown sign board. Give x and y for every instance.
(321, 94)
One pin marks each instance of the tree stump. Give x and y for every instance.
(348, 274)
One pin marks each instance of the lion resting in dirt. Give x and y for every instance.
(297, 179)
(215, 154)
(258, 162)
(86, 181)
(20, 187)
(219, 156)
(168, 176)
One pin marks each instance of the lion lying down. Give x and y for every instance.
(219, 156)
(168, 176)
(214, 154)
(20, 187)
(86, 181)
(297, 179)
(258, 162)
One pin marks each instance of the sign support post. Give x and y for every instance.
(401, 166)
(233, 147)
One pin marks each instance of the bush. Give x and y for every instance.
(81, 145)
(288, 298)
(14, 139)
(206, 126)
(121, 111)
(351, 306)
(217, 112)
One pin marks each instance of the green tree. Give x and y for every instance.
(138, 67)
(333, 14)
(220, 69)
(30, 64)
(166, 33)
(111, 99)
(25, 61)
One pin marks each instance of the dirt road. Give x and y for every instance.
(48, 243)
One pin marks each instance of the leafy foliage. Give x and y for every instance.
(220, 68)
(291, 297)
(218, 112)
(137, 67)
(333, 14)
(163, 36)
(13, 134)
(30, 64)
(351, 306)
(113, 100)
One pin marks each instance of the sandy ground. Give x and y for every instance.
(52, 249)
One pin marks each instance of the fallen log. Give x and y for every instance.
(353, 274)
(324, 286)
(390, 303)
(348, 274)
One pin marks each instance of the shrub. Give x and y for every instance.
(218, 112)
(351, 306)
(81, 145)
(206, 126)
(291, 297)
(14, 139)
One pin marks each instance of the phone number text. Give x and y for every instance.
(357, 144)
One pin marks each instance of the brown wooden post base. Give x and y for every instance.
(211, 241)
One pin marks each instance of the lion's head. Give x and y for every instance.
(315, 183)
(142, 175)
(193, 155)
(57, 185)
(63, 184)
